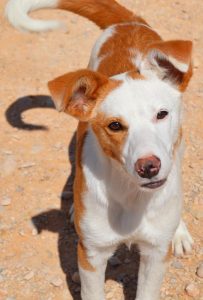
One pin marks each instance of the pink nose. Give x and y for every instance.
(148, 167)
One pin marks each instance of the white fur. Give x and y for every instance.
(17, 14)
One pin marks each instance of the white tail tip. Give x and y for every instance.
(17, 13)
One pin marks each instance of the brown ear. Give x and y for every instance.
(171, 61)
(76, 93)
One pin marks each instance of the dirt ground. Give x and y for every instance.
(37, 241)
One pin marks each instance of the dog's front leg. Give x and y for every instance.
(92, 265)
(153, 264)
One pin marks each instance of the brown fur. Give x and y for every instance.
(104, 13)
(76, 92)
(119, 50)
(111, 142)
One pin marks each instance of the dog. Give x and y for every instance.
(127, 186)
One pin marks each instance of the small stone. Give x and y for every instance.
(22, 232)
(200, 270)
(56, 281)
(34, 231)
(76, 277)
(192, 290)
(27, 165)
(177, 265)
(5, 201)
(114, 261)
(29, 275)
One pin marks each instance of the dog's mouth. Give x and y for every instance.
(154, 184)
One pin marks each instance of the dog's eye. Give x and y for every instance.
(161, 114)
(115, 126)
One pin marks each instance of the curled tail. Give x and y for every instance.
(102, 12)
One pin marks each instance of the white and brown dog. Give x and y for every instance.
(128, 174)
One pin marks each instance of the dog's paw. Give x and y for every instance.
(182, 242)
(71, 213)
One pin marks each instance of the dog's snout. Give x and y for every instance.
(148, 167)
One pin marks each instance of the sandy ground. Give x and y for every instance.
(37, 241)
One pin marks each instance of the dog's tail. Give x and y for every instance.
(102, 12)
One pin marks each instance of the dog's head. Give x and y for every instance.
(135, 116)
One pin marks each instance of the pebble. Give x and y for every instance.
(5, 201)
(34, 231)
(177, 265)
(76, 277)
(22, 232)
(56, 281)
(29, 275)
(114, 261)
(27, 165)
(192, 290)
(200, 270)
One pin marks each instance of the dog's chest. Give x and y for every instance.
(113, 224)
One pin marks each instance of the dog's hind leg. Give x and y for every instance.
(182, 241)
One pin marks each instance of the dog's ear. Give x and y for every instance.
(78, 92)
(171, 61)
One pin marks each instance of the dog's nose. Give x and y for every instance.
(147, 167)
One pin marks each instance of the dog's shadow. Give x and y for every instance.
(124, 268)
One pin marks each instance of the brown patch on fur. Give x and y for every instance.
(110, 141)
(82, 258)
(79, 189)
(120, 49)
(104, 13)
(169, 254)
